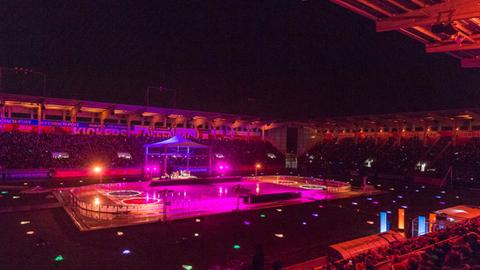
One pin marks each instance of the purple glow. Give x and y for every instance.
(149, 168)
(222, 167)
(210, 199)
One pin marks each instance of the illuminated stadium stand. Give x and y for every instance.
(451, 27)
(73, 124)
(28, 113)
(439, 133)
(39, 114)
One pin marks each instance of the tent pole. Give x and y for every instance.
(146, 156)
(165, 161)
(188, 158)
(210, 161)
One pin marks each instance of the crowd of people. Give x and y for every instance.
(244, 153)
(332, 158)
(342, 157)
(407, 158)
(464, 159)
(54, 150)
(33, 151)
(455, 247)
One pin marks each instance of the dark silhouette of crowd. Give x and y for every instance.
(342, 157)
(455, 247)
(36, 151)
(390, 157)
(332, 158)
(244, 153)
(33, 151)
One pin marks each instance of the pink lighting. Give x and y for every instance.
(150, 168)
(187, 200)
(222, 167)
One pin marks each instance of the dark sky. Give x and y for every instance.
(296, 58)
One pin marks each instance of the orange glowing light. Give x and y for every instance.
(401, 219)
(258, 165)
(97, 169)
(432, 218)
(96, 201)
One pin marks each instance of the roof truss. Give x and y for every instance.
(415, 19)
(445, 12)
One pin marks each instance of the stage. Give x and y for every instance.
(122, 204)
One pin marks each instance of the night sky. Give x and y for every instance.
(288, 59)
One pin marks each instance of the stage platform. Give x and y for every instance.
(193, 181)
(122, 204)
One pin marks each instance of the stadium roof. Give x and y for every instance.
(398, 119)
(444, 26)
(146, 111)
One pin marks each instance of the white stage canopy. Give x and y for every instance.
(176, 141)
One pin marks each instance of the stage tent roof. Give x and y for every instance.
(177, 141)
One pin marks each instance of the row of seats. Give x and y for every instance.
(441, 159)
(31, 151)
(455, 247)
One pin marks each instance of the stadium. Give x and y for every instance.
(91, 182)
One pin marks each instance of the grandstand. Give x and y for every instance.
(455, 246)
(48, 133)
(434, 146)
(428, 144)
